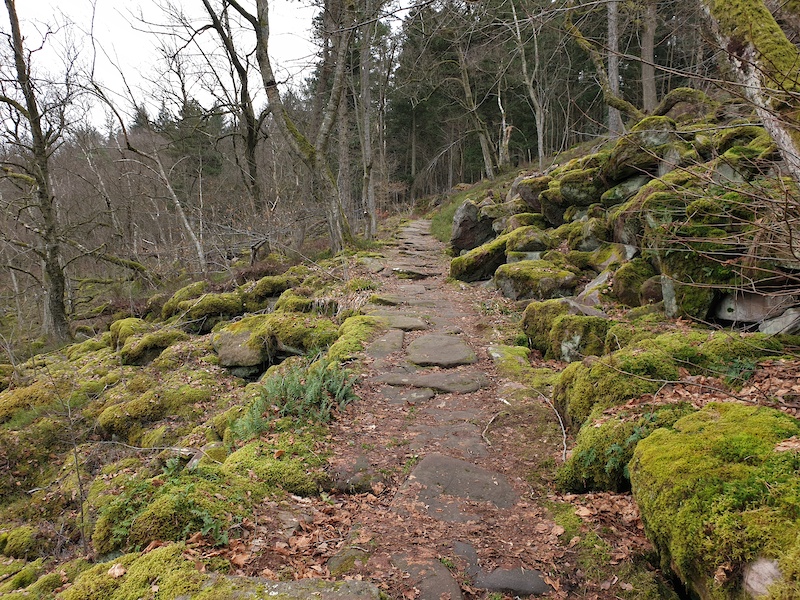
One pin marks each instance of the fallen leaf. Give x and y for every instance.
(557, 530)
(278, 453)
(117, 571)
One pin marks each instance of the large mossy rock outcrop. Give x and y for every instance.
(644, 366)
(606, 442)
(470, 228)
(641, 150)
(719, 492)
(534, 279)
(540, 317)
(480, 263)
(263, 339)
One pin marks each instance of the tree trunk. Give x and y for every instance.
(365, 105)
(472, 109)
(311, 153)
(614, 116)
(767, 65)
(649, 94)
(50, 252)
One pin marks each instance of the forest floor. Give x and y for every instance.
(448, 465)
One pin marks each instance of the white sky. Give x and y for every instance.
(118, 30)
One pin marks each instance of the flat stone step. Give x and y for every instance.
(433, 580)
(389, 342)
(455, 382)
(255, 588)
(400, 395)
(440, 484)
(438, 350)
(518, 582)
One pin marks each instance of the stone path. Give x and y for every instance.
(431, 379)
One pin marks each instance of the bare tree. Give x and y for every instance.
(33, 125)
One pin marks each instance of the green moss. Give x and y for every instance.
(291, 301)
(286, 461)
(628, 280)
(282, 332)
(605, 445)
(539, 279)
(528, 239)
(572, 337)
(582, 187)
(21, 542)
(40, 393)
(45, 586)
(141, 349)
(22, 578)
(514, 362)
(525, 220)
(353, 334)
(257, 295)
(713, 492)
(176, 576)
(191, 291)
(481, 262)
(204, 312)
(360, 284)
(538, 319)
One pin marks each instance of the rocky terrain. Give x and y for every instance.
(596, 397)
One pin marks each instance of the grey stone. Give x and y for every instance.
(464, 438)
(440, 482)
(398, 395)
(433, 580)
(456, 382)
(625, 190)
(397, 321)
(788, 322)
(234, 351)
(389, 342)
(513, 257)
(759, 575)
(356, 477)
(519, 582)
(592, 293)
(412, 272)
(745, 307)
(440, 351)
(470, 228)
(343, 561)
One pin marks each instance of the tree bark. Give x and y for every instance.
(472, 109)
(649, 93)
(614, 115)
(311, 153)
(41, 147)
(767, 65)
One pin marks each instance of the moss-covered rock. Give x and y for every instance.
(287, 461)
(261, 339)
(538, 279)
(292, 301)
(189, 292)
(353, 334)
(573, 337)
(142, 349)
(639, 151)
(529, 189)
(124, 328)
(643, 367)
(538, 319)
(525, 220)
(582, 187)
(177, 576)
(605, 445)
(528, 239)
(623, 191)
(628, 280)
(715, 495)
(258, 295)
(481, 262)
(21, 542)
(206, 311)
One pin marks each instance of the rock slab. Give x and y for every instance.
(438, 350)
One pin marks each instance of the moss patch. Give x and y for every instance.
(353, 334)
(714, 493)
(481, 262)
(141, 349)
(191, 291)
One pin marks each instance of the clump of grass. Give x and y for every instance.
(309, 391)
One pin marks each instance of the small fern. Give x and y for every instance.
(312, 391)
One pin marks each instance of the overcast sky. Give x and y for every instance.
(120, 32)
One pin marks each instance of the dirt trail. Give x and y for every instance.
(445, 464)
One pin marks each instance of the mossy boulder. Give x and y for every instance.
(643, 367)
(263, 339)
(525, 220)
(6, 373)
(286, 461)
(206, 311)
(605, 444)
(470, 228)
(292, 301)
(640, 151)
(528, 239)
(582, 187)
(529, 189)
(585, 235)
(193, 290)
(537, 279)
(716, 493)
(122, 329)
(480, 263)
(22, 542)
(258, 295)
(142, 349)
(353, 335)
(628, 281)
(573, 337)
(623, 191)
